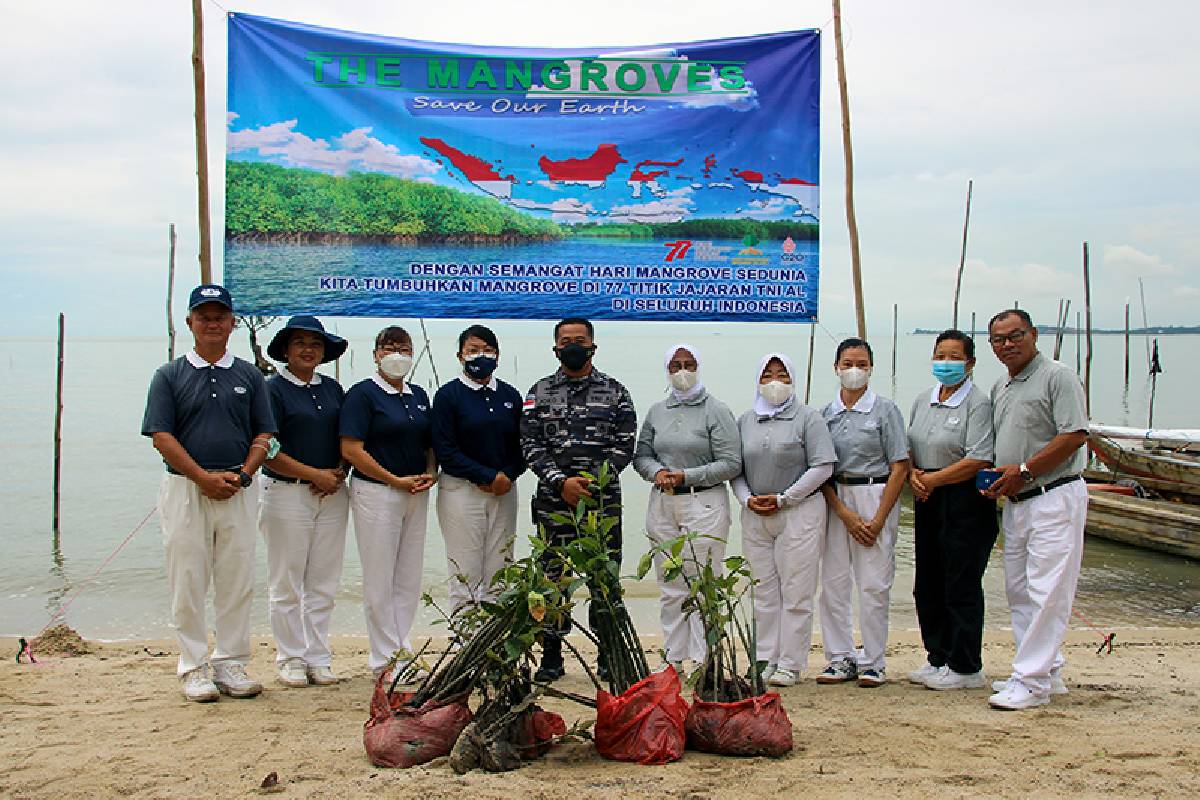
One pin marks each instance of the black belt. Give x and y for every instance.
(281, 478)
(859, 480)
(692, 489)
(1032, 493)
(360, 476)
(172, 471)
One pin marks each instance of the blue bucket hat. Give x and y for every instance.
(334, 345)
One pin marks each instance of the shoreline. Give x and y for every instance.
(113, 723)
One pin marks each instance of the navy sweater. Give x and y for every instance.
(476, 432)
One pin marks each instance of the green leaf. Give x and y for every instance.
(645, 564)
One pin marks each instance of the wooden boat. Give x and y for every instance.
(1153, 524)
(1168, 456)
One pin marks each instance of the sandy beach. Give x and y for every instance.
(113, 723)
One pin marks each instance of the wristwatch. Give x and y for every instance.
(1026, 475)
(245, 478)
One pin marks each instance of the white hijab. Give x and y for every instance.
(761, 406)
(695, 391)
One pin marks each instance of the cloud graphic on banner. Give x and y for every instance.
(672, 209)
(353, 150)
(568, 209)
(769, 208)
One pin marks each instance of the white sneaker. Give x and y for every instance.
(919, 676)
(678, 665)
(1016, 697)
(321, 676)
(230, 678)
(767, 672)
(292, 673)
(947, 678)
(783, 677)
(839, 671)
(410, 672)
(1057, 685)
(198, 687)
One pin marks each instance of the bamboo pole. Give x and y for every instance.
(972, 326)
(1155, 368)
(1127, 345)
(58, 415)
(847, 151)
(170, 291)
(962, 255)
(812, 340)
(1087, 308)
(1079, 344)
(201, 141)
(1145, 323)
(895, 329)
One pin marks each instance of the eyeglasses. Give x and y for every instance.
(1014, 337)
(406, 349)
(485, 351)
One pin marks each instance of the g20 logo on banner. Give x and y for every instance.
(371, 176)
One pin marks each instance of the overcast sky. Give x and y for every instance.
(1077, 121)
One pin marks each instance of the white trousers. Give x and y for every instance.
(784, 551)
(846, 564)
(208, 541)
(668, 517)
(306, 540)
(1043, 550)
(479, 529)
(389, 527)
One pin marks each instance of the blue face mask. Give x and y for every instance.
(950, 373)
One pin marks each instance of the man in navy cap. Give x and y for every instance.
(209, 415)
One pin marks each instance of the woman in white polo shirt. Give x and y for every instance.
(860, 538)
(787, 455)
(688, 448)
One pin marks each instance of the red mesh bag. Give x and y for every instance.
(756, 726)
(540, 728)
(398, 735)
(645, 724)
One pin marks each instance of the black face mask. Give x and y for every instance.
(574, 356)
(480, 367)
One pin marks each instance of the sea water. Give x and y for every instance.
(111, 474)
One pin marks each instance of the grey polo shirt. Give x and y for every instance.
(777, 450)
(943, 433)
(699, 437)
(869, 437)
(1028, 410)
(214, 410)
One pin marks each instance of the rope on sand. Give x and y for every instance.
(27, 648)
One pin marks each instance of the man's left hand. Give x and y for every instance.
(1009, 483)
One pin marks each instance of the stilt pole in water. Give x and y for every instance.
(1127, 345)
(170, 291)
(895, 329)
(58, 413)
(201, 141)
(962, 255)
(848, 153)
(1087, 308)
(812, 340)
(1078, 344)
(972, 326)
(1145, 324)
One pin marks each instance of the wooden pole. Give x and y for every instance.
(972, 325)
(170, 291)
(58, 414)
(1145, 323)
(895, 329)
(201, 141)
(812, 340)
(1127, 345)
(1087, 308)
(1079, 346)
(847, 152)
(962, 255)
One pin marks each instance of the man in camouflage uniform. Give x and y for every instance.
(573, 421)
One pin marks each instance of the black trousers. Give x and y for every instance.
(544, 503)
(955, 531)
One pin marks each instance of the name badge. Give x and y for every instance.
(239, 390)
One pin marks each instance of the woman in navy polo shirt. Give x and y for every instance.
(304, 502)
(385, 430)
(477, 438)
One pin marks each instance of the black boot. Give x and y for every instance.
(551, 668)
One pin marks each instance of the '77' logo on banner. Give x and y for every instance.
(677, 249)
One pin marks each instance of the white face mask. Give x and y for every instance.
(854, 377)
(684, 380)
(776, 392)
(395, 365)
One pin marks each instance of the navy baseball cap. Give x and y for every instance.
(210, 293)
(334, 345)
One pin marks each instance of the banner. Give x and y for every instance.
(374, 176)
